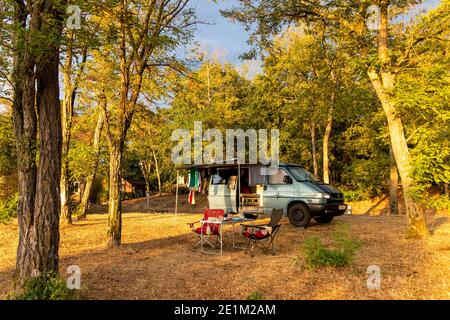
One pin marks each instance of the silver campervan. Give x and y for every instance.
(254, 189)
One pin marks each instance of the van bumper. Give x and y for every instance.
(335, 209)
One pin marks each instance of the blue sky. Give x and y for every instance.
(230, 39)
(220, 34)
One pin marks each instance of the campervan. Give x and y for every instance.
(255, 189)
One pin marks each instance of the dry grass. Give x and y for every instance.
(156, 261)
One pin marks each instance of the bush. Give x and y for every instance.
(255, 296)
(339, 255)
(8, 209)
(355, 195)
(53, 288)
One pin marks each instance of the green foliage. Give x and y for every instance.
(355, 195)
(52, 288)
(255, 295)
(339, 255)
(8, 208)
(7, 145)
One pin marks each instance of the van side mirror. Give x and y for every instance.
(287, 180)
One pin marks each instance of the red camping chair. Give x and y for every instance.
(263, 235)
(207, 231)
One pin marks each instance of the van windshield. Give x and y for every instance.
(301, 174)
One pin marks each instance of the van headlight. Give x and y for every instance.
(321, 195)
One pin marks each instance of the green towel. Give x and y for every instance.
(194, 175)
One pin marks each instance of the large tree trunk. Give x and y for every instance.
(416, 218)
(326, 140)
(47, 202)
(314, 149)
(25, 131)
(393, 184)
(91, 176)
(383, 82)
(39, 204)
(115, 210)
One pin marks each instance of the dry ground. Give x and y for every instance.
(156, 261)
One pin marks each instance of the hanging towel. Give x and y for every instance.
(194, 178)
(191, 197)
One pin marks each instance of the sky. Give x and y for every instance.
(230, 39)
(221, 37)
(227, 39)
(219, 33)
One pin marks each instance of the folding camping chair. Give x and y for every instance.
(207, 232)
(263, 235)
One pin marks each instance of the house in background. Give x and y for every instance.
(132, 189)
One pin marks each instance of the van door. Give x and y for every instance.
(222, 196)
(279, 190)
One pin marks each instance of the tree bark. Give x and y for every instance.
(25, 131)
(314, 149)
(84, 205)
(326, 140)
(114, 208)
(446, 193)
(36, 102)
(393, 185)
(47, 203)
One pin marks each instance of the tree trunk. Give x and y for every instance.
(25, 131)
(157, 172)
(70, 92)
(115, 210)
(416, 218)
(446, 193)
(66, 116)
(326, 140)
(47, 203)
(383, 82)
(39, 202)
(90, 178)
(313, 149)
(393, 185)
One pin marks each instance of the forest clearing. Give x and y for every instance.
(157, 261)
(224, 149)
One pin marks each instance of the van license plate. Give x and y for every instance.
(342, 207)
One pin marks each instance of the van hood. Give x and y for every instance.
(322, 187)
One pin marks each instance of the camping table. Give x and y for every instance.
(222, 223)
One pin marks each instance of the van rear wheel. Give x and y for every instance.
(299, 215)
(324, 219)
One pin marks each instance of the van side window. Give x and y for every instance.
(278, 177)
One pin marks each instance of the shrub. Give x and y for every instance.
(8, 208)
(53, 288)
(355, 195)
(255, 296)
(340, 254)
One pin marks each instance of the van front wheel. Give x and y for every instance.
(324, 219)
(299, 215)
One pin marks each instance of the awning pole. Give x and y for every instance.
(176, 193)
(239, 187)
